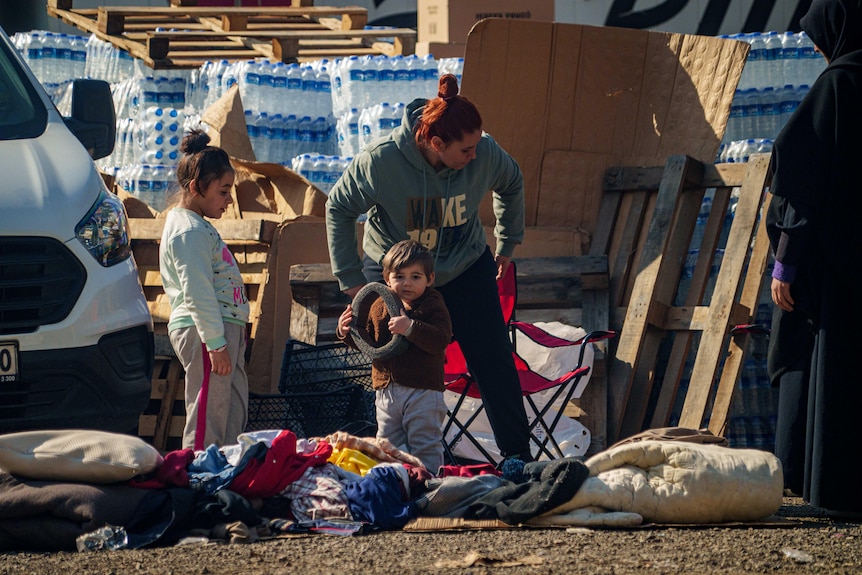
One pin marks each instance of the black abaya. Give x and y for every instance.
(814, 230)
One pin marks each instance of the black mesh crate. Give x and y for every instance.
(307, 367)
(313, 414)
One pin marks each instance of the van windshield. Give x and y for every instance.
(22, 113)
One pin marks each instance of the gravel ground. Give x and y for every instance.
(806, 542)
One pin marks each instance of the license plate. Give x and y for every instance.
(8, 362)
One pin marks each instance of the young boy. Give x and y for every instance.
(409, 387)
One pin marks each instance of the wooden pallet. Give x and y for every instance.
(671, 198)
(163, 420)
(187, 36)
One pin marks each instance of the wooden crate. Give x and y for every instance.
(183, 36)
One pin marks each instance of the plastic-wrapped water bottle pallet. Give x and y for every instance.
(193, 35)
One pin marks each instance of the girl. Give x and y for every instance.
(209, 308)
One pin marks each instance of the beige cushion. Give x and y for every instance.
(77, 455)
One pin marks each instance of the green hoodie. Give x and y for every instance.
(405, 198)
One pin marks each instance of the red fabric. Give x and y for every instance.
(281, 466)
(468, 470)
(173, 472)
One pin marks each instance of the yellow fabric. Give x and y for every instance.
(351, 460)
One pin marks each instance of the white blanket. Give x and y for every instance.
(673, 482)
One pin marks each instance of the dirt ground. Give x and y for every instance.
(802, 542)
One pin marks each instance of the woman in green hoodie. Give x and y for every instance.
(425, 182)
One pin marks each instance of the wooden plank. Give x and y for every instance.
(628, 178)
(712, 342)
(633, 338)
(304, 313)
(749, 298)
(231, 231)
(674, 370)
(152, 278)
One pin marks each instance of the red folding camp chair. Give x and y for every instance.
(560, 390)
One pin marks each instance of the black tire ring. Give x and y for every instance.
(361, 305)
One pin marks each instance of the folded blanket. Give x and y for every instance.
(49, 515)
(675, 482)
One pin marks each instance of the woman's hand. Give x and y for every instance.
(220, 361)
(502, 265)
(781, 295)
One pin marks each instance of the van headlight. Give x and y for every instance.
(105, 230)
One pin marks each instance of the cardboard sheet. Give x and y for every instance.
(608, 96)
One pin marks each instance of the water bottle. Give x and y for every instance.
(402, 79)
(129, 154)
(249, 85)
(34, 54)
(148, 90)
(789, 102)
(305, 167)
(810, 62)
(748, 147)
(324, 91)
(259, 143)
(78, 56)
(202, 99)
(367, 123)
(790, 58)
(756, 61)
(48, 56)
(266, 91)
(336, 168)
(159, 187)
(352, 78)
(752, 113)
(733, 155)
(293, 104)
(385, 78)
(764, 146)
(273, 133)
(143, 182)
(308, 100)
(63, 57)
(108, 537)
(306, 134)
(771, 113)
(370, 82)
(291, 136)
(773, 66)
(230, 78)
(734, 127)
(348, 132)
(278, 98)
(416, 77)
(337, 87)
(216, 78)
(430, 77)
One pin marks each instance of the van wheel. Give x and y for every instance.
(361, 305)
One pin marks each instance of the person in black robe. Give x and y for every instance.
(814, 228)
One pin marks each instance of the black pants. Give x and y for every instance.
(477, 323)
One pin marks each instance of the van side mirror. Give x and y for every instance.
(93, 119)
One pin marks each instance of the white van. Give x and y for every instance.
(76, 337)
